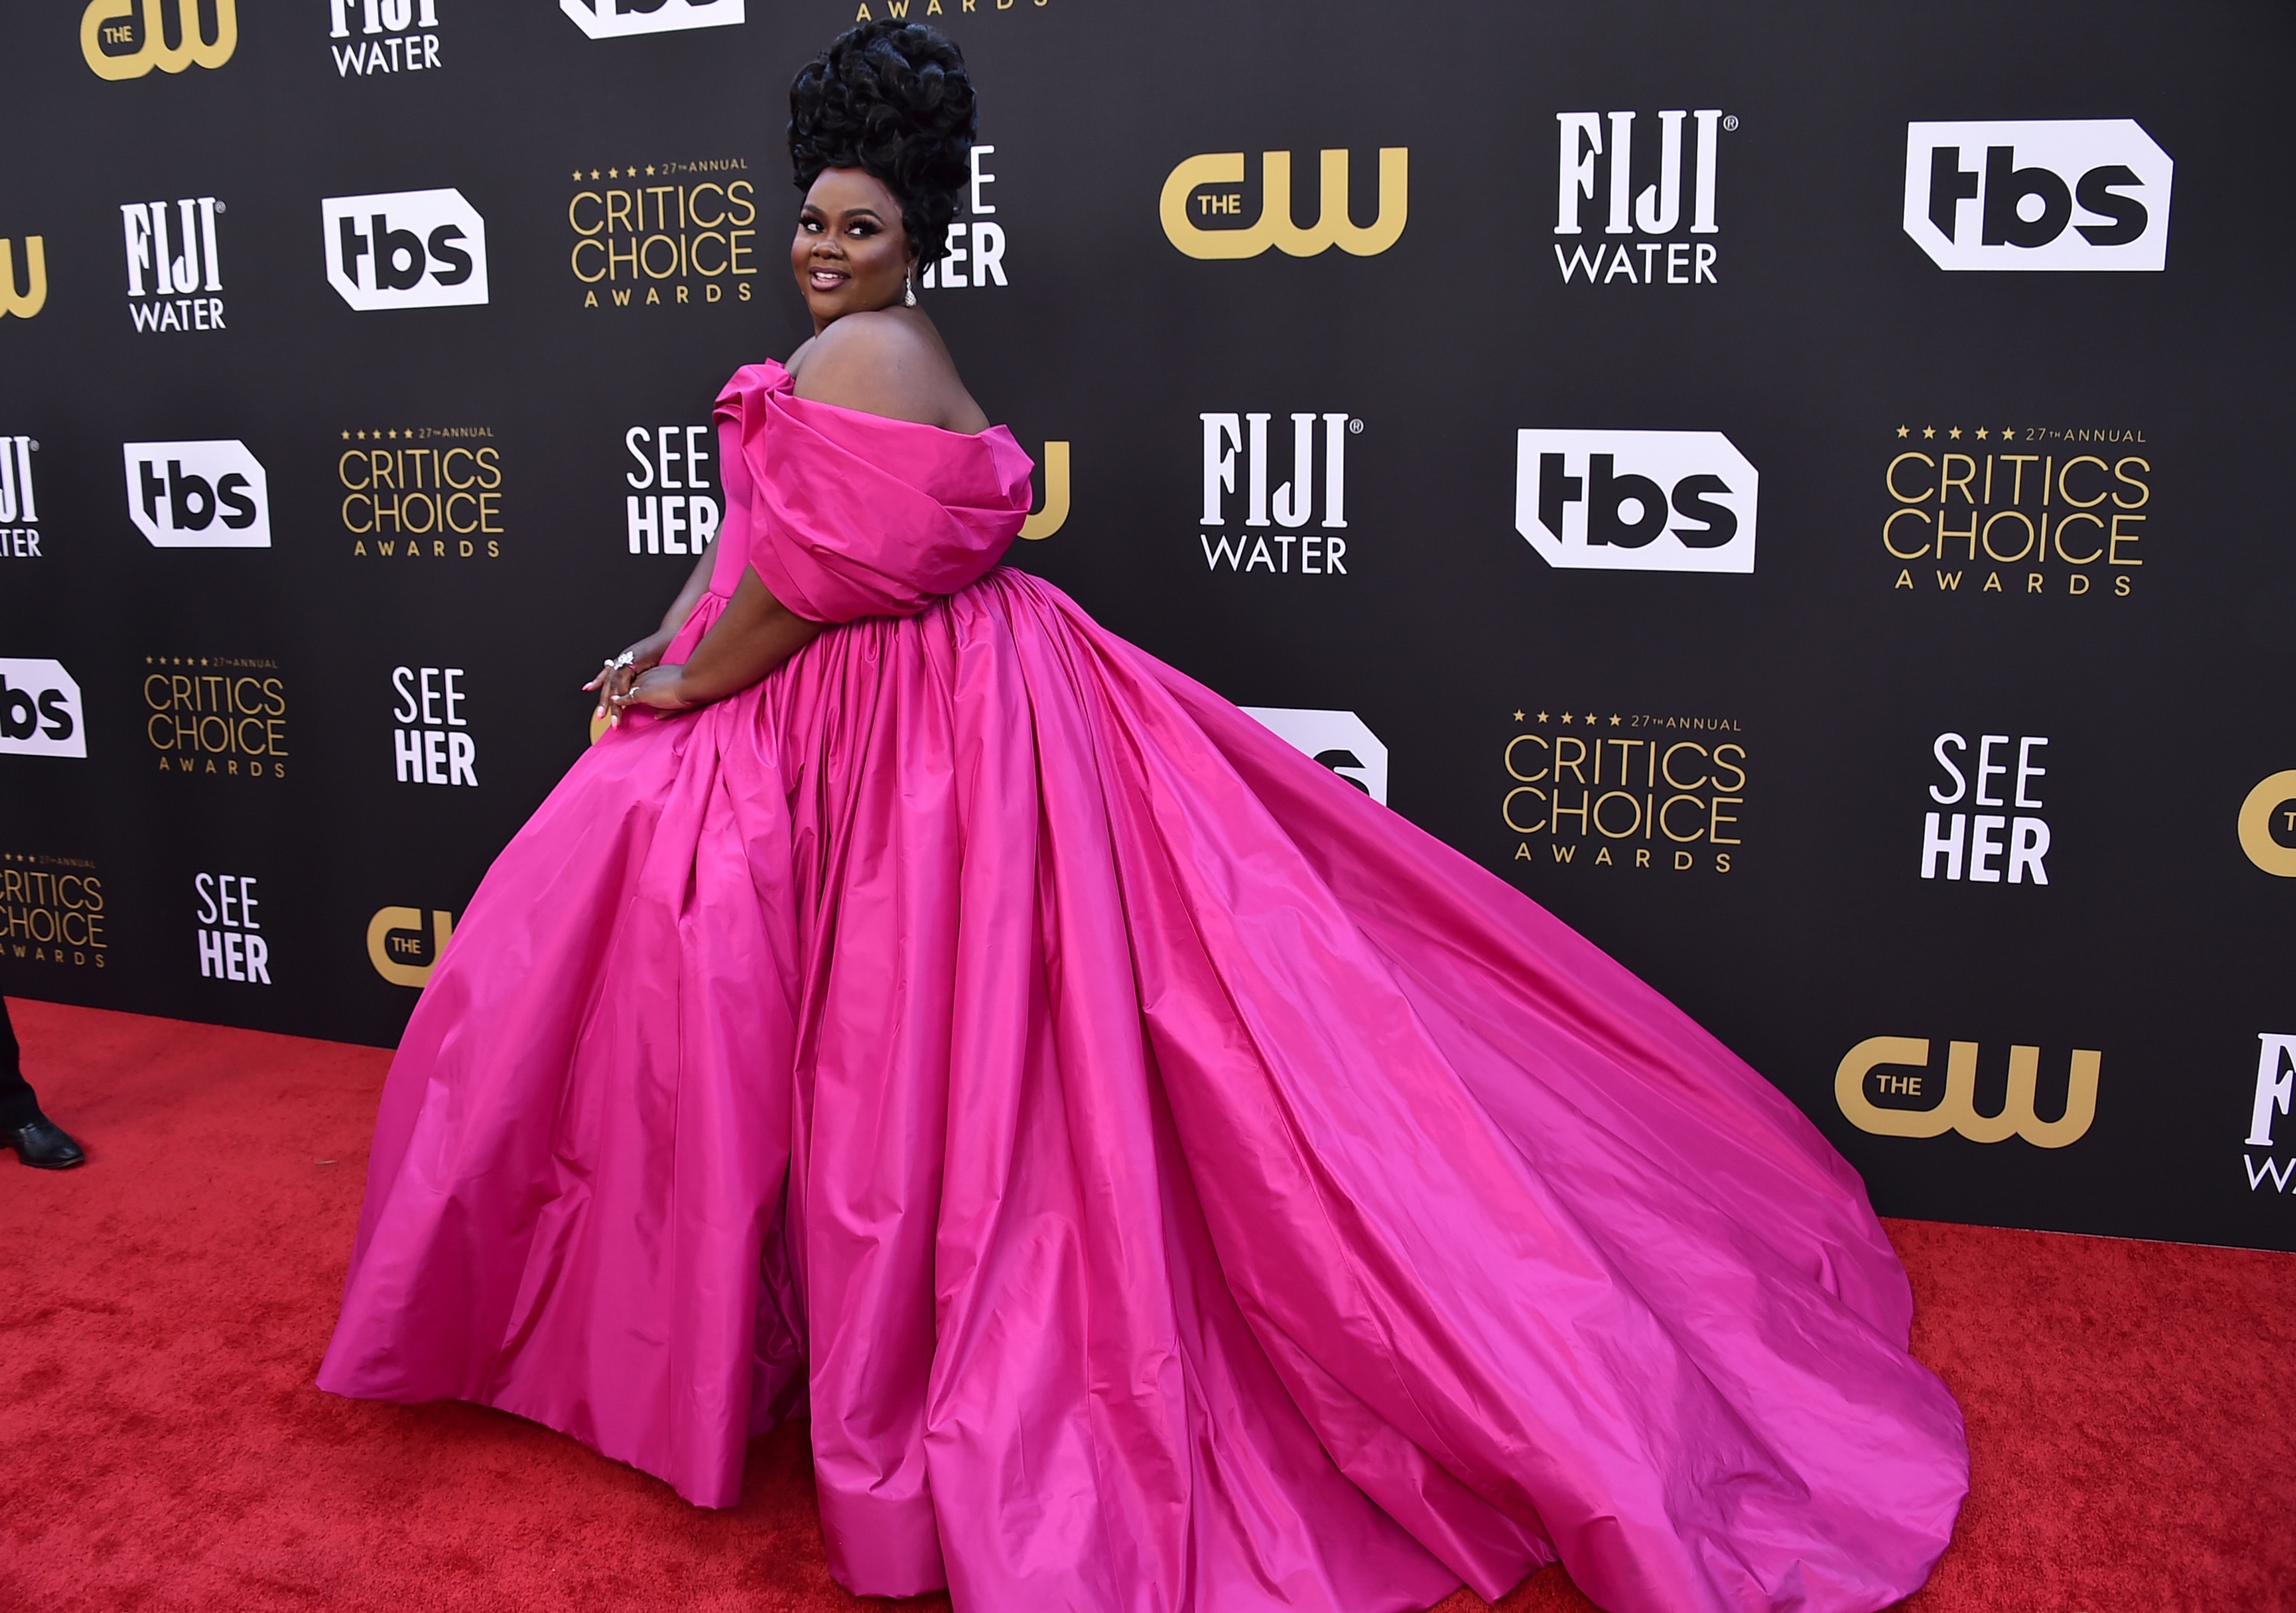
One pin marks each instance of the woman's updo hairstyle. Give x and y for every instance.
(893, 99)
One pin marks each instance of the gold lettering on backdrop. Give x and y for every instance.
(395, 935)
(1276, 227)
(1047, 520)
(1955, 1109)
(2273, 794)
(2043, 507)
(114, 22)
(34, 297)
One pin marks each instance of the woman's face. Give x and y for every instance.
(850, 253)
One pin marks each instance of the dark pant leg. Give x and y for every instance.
(17, 1104)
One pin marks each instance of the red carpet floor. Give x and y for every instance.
(2132, 1407)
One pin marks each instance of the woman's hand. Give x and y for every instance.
(659, 686)
(613, 681)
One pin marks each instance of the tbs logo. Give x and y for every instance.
(618, 18)
(1635, 501)
(2053, 195)
(198, 494)
(1339, 740)
(40, 711)
(407, 249)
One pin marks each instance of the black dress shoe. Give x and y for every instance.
(41, 1143)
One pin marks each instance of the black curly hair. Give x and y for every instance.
(892, 99)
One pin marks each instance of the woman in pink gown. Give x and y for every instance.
(1167, 1179)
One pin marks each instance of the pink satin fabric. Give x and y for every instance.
(1168, 1180)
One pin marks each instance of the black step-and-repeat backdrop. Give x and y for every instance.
(1798, 490)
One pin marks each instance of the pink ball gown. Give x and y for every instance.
(1168, 1180)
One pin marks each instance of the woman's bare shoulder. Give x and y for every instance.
(887, 362)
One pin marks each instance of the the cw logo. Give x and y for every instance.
(1275, 226)
(1047, 520)
(112, 22)
(34, 297)
(394, 936)
(2274, 797)
(1957, 1111)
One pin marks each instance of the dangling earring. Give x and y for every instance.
(909, 289)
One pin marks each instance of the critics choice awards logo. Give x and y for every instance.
(1885, 1085)
(1202, 207)
(373, 38)
(2027, 511)
(2090, 195)
(1340, 741)
(976, 241)
(1253, 523)
(406, 248)
(51, 911)
(1661, 233)
(128, 38)
(432, 492)
(217, 716)
(198, 494)
(433, 742)
(2005, 846)
(1636, 790)
(40, 711)
(687, 229)
(1635, 501)
(620, 19)
(20, 298)
(232, 945)
(20, 499)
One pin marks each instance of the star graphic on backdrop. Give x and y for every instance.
(1614, 720)
(613, 173)
(1980, 433)
(1590, 719)
(594, 173)
(347, 436)
(1901, 431)
(394, 436)
(1955, 434)
(1566, 719)
(1542, 716)
(577, 175)
(1929, 431)
(648, 171)
(2007, 435)
(362, 436)
(1518, 716)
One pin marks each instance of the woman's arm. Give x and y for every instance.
(614, 681)
(756, 634)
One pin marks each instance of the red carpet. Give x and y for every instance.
(2132, 1407)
